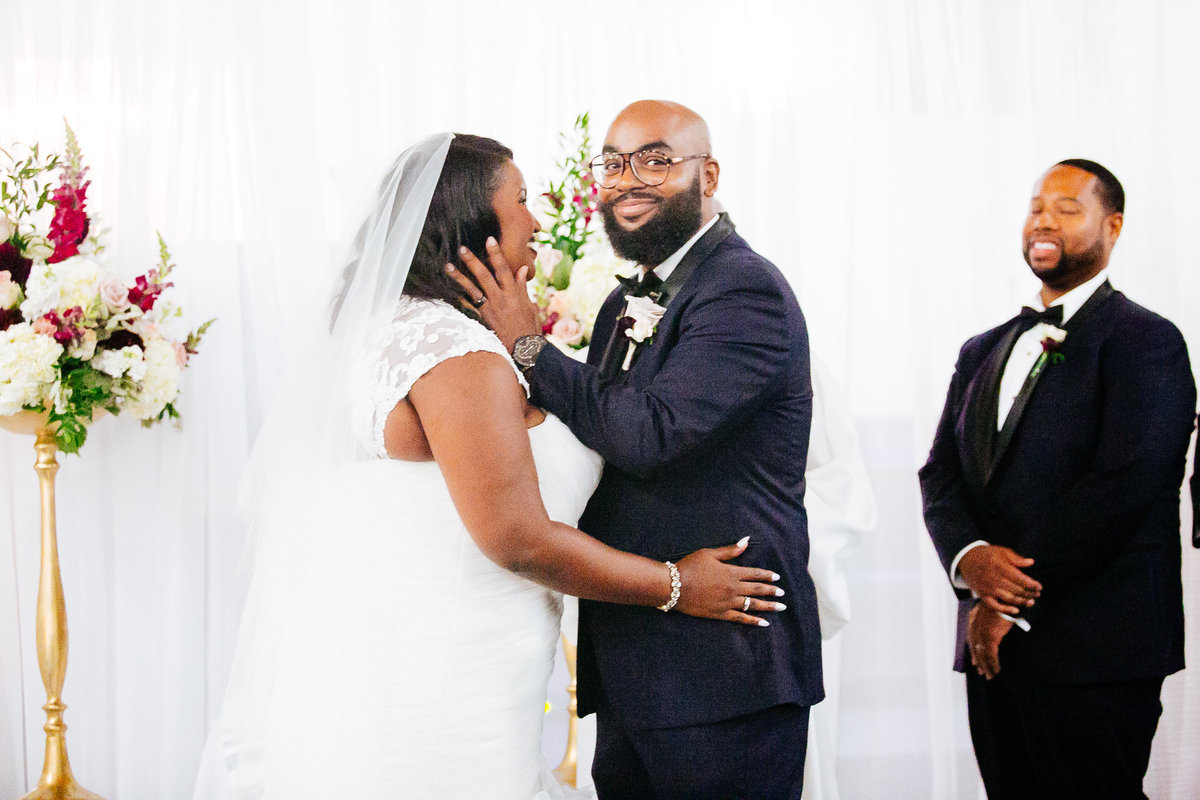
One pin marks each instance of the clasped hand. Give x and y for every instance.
(985, 630)
(995, 575)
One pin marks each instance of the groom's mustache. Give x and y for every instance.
(635, 194)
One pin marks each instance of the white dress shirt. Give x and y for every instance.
(1016, 370)
(664, 270)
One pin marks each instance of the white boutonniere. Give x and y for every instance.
(1051, 338)
(641, 319)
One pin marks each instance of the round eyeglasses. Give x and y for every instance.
(649, 166)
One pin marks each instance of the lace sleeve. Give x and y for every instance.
(416, 336)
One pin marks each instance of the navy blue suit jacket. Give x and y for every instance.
(1088, 486)
(705, 440)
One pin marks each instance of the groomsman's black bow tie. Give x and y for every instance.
(641, 288)
(1052, 315)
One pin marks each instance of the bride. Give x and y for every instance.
(402, 616)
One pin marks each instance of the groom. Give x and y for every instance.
(704, 428)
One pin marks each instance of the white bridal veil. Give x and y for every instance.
(292, 639)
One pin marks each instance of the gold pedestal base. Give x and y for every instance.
(57, 782)
(568, 770)
(62, 791)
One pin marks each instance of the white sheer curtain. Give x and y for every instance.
(880, 152)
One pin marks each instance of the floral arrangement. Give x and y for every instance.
(74, 337)
(575, 268)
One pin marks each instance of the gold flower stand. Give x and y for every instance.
(57, 781)
(568, 770)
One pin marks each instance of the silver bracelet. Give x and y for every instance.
(676, 586)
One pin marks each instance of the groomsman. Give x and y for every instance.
(1052, 496)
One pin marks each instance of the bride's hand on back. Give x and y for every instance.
(713, 589)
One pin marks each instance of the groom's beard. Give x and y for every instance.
(677, 220)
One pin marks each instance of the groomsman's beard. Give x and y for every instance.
(1072, 269)
(651, 243)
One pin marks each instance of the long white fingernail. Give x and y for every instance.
(745, 540)
(774, 576)
(492, 241)
(762, 623)
(778, 591)
(780, 607)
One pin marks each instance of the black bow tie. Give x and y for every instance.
(1052, 316)
(641, 288)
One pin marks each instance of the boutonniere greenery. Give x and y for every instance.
(641, 319)
(1051, 338)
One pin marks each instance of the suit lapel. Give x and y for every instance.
(1021, 402)
(981, 406)
(618, 343)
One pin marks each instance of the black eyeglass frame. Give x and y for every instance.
(627, 162)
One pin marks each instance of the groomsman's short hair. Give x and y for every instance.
(1112, 194)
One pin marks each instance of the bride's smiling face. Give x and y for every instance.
(517, 223)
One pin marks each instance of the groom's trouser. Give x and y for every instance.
(756, 757)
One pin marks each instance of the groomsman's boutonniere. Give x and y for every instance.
(639, 323)
(1051, 338)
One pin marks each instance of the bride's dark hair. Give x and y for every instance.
(460, 214)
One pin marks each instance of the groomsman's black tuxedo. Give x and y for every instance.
(705, 439)
(1084, 478)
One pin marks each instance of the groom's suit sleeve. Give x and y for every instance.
(1148, 409)
(945, 500)
(735, 343)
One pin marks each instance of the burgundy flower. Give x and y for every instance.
(70, 224)
(146, 290)
(548, 325)
(9, 316)
(123, 338)
(17, 265)
(67, 325)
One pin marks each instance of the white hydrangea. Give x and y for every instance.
(126, 361)
(593, 277)
(27, 367)
(160, 385)
(73, 282)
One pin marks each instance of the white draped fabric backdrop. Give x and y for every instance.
(880, 152)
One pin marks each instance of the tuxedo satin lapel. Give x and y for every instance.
(983, 401)
(618, 343)
(1077, 320)
(694, 257)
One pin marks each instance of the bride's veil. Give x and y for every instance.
(309, 426)
(294, 496)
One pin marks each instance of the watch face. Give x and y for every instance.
(527, 348)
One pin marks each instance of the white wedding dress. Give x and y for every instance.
(381, 654)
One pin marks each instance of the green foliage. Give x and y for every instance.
(82, 390)
(23, 189)
(571, 201)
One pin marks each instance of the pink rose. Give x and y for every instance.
(568, 330)
(559, 303)
(44, 326)
(144, 328)
(114, 294)
(10, 291)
